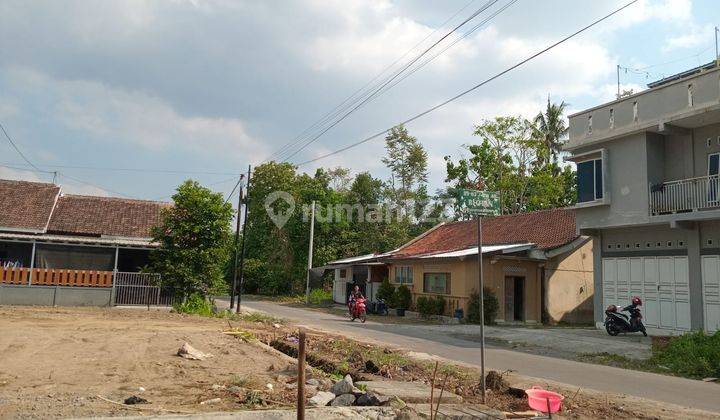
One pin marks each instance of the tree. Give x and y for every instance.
(552, 129)
(407, 160)
(194, 237)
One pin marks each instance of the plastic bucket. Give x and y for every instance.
(538, 399)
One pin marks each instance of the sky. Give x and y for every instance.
(130, 98)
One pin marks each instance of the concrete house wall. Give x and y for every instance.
(569, 286)
(670, 139)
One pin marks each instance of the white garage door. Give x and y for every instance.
(711, 291)
(661, 282)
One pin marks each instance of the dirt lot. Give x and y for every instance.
(54, 362)
(68, 362)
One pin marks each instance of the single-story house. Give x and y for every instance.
(51, 238)
(532, 262)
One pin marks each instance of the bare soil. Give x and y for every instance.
(56, 362)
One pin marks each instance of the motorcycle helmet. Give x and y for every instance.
(636, 301)
(611, 308)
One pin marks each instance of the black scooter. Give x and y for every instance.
(617, 322)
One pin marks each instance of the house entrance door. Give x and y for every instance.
(514, 298)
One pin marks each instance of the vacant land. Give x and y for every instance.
(56, 362)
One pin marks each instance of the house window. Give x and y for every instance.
(436, 283)
(343, 273)
(403, 275)
(612, 118)
(635, 112)
(589, 180)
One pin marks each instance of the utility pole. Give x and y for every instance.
(242, 246)
(482, 306)
(235, 248)
(310, 254)
(717, 55)
(618, 82)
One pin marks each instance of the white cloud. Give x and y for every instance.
(698, 36)
(108, 114)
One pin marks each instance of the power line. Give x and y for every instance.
(165, 171)
(94, 185)
(12, 143)
(234, 188)
(405, 67)
(465, 92)
(336, 110)
(373, 92)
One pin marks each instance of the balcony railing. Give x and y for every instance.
(685, 195)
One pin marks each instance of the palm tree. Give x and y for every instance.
(551, 128)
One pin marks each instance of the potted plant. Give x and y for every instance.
(401, 300)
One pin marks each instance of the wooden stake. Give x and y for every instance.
(442, 389)
(301, 377)
(432, 390)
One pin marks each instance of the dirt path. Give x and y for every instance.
(55, 361)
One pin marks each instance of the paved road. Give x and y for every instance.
(444, 342)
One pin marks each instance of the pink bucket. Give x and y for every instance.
(538, 399)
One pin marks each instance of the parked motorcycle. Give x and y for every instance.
(617, 322)
(358, 310)
(381, 307)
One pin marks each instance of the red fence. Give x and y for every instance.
(56, 277)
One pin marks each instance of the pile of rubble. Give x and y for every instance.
(344, 393)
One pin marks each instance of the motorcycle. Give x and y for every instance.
(358, 310)
(617, 322)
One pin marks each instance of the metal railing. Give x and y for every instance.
(685, 195)
(140, 289)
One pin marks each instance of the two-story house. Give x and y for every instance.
(649, 193)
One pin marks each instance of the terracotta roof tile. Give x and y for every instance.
(87, 215)
(26, 205)
(547, 229)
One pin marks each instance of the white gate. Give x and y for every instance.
(139, 289)
(661, 282)
(711, 291)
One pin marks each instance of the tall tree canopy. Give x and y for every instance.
(194, 237)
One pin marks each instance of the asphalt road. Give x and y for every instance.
(445, 343)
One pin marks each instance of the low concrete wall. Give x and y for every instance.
(55, 296)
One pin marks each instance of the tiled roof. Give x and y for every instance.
(547, 229)
(88, 215)
(26, 205)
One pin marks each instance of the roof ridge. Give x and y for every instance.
(21, 181)
(507, 216)
(99, 197)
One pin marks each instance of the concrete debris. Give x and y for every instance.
(211, 401)
(321, 399)
(344, 400)
(189, 352)
(344, 386)
(313, 382)
(367, 399)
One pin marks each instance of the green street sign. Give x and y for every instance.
(483, 203)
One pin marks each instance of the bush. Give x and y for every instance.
(491, 306)
(402, 297)
(693, 354)
(386, 290)
(320, 296)
(429, 305)
(195, 304)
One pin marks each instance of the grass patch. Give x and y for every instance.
(694, 355)
(320, 296)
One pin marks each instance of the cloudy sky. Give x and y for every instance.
(201, 89)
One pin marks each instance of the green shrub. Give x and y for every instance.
(195, 304)
(430, 305)
(386, 290)
(693, 354)
(402, 297)
(491, 306)
(320, 296)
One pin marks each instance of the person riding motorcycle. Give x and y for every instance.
(355, 293)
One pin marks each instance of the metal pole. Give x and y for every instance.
(113, 292)
(618, 81)
(32, 264)
(310, 254)
(235, 248)
(242, 246)
(301, 377)
(717, 55)
(482, 308)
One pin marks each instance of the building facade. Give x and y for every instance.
(647, 168)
